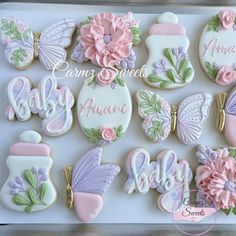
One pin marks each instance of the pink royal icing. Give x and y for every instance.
(105, 76)
(108, 134)
(226, 75)
(227, 18)
(229, 129)
(166, 29)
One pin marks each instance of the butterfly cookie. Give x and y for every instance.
(23, 45)
(160, 118)
(86, 182)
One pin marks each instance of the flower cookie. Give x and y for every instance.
(168, 66)
(86, 182)
(28, 187)
(106, 40)
(215, 178)
(52, 104)
(217, 48)
(104, 107)
(23, 45)
(226, 115)
(160, 118)
(170, 177)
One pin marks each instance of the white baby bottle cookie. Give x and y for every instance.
(168, 66)
(28, 187)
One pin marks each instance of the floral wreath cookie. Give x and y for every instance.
(226, 115)
(160, 119)
(104, 107)
(107, 40)
(170, 177)
(28, 187)
(52, 104)
(168, 66)
(215, 178)
(217, 48)
(23, 45)
(86, 182)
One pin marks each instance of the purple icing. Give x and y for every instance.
(90, 176)
(216, 66)
(179, 53)
(129, 62)
(79, 53)
(230, 105)
(107, 38)
(159, 67)
(206, 154)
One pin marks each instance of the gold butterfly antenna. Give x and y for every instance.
(174, 111)
(69, 194)
(36, 44)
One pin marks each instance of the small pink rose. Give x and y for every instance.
(108, 134)
(105, 76)
(225, 76)
(21, 27)
(227, 18)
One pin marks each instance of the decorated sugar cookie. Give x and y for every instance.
(215, 177)
(226, 115)
(23, 45)
(217, 48)
(52, 104)
(28, 187)
(104, 107)
(160, 118)
(107, 40)
(168, 65)
(170, 177)
(86, 182)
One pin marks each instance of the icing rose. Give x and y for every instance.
(226, 18)
(105, 76)
(106, 39)
(108, 134)
(21, 27)
(225, 76)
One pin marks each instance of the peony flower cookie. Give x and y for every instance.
(107, 40)
(28, 187)
(217, 48)
(215, 178)
(168, 66)
(170, 177)
(52, 104)
(160, 118)
(226, 115)
(23, 45)
(86, 182)
(104, 107)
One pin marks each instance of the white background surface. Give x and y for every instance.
(119, 207)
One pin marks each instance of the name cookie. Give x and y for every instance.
(52, 104)
(107, 40)
(28, 187)
(23, 45)
(86, 182)
(168, 66)
(170, 177)
(215, 178)
(160, 118)
(104, 107)
(217, 48)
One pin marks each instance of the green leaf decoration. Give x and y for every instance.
(183, 65)
(20, 200)
(136, 32)
(18, 56)
(170, 56)
(29, 209)
(120, 81)
(171, 74)
(92, 134)
(212, 72)
(165, 84)
(187, 73)
(155, 131)
(234, 210)
(32, 196)
(227, 211)
(119, 132)
(152, 78)
(30, 178)
(92, 81)
(214, 24)
(43, 191)
(232, 153)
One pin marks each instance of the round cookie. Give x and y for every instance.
(217, 48)
(104, 107)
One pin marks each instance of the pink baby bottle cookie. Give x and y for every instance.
(28, 187)
(168, 66)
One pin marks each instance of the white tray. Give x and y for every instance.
(119, 207)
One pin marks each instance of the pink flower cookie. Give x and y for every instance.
(217, 48)
(86, 182)
(23, 45)
(215, 178)
(104, 107)
(170, 177)
(106, 40)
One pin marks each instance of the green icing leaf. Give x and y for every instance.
(171, 74)
(212, 72)
(18, 56)
(119, 132)
(136, 32)
(21, 200)
(32, 196)
(43, 191)
(92, 81)
(214, 24)
(165, 84)
(92, 134)
(155, 131)
(152, 78)
(232, 153)
(170, 56)
(120, 81)
(30, 178)
(187, 73)
(183, 65)
(227, 211)
(234, 210)
(29, 209)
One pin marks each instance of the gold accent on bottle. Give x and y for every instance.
(173, 118)
(69, 193)
(220, 112)
(36, 44)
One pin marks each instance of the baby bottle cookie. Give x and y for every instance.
(168, 66)
(104, 107)
(217, 48)
(28, 187)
